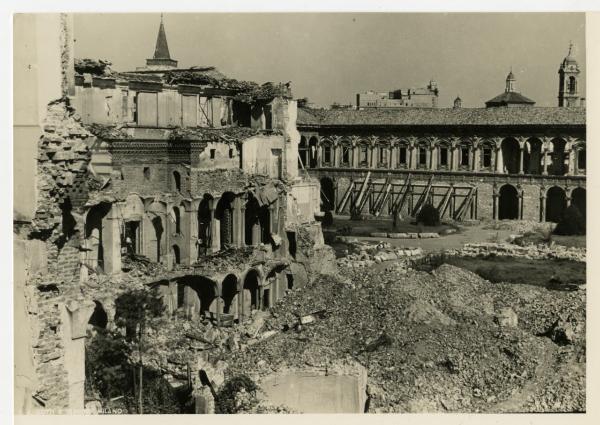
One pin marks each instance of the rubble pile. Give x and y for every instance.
(365, 254)
(534, 252)
(495, 354)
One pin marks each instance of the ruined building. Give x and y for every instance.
(180, 179)
(510, 160)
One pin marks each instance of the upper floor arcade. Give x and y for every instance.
(520, 141)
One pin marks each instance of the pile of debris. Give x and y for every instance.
(365, 254)
(391, 323)
(534, 252)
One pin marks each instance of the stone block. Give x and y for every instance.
(398, 235)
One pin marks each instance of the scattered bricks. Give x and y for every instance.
(398, 235)
(428, 235)
(506, 317)
(64, 156)
(412, 235)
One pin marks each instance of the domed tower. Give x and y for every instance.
(510, 97)
(510, 82)
(457, 102)
(568, 94)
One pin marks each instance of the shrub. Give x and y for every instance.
(429, 215)
(492, 274)
(571, 222)
(225, 400)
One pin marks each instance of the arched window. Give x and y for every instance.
(402, 156)
(464, 156)
(363, 156)
(443, 156)
(572, 85)
(486, 158)
(422, 156)
(177, 180)
(383, 156)
(345, 155)
(326, 155)
(303, 153)
(581, 159)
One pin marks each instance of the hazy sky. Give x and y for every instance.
(331, 57)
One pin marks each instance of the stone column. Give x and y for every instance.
(256, 239)
(568, 193)
(570, 162)
(476, 158)
(498, 159)
(75, 317)
(433, 158)
(453, 158)
(544, 161)
(243, 222)
(542, 204)
(236, 223)
(111, 242)
(193, 239)
(215, 228)
(521, 201)
(495, 199)
(521, 156)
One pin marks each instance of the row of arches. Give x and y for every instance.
(232, 298)
(256, 226)
(531, 155)
(509, 206)
(555, 202)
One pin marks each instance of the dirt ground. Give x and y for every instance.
(471, 233)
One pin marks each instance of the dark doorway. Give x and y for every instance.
(557, 158)
(327, 194)
(132, 239)
(158, 231)
(229, 290)
(303, 153)
(204, 224)
(176, 254)
(532, 160)
(511, 156)
(556, 203)
(312, 153)
(508, 205)
(224, 213)
(266, 298)
(578, 198)
(251, 284)
(291, 236)
(99, 318)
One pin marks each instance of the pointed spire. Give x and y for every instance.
(162, 48)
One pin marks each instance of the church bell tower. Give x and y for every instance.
(568, 90)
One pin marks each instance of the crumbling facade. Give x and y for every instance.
(182, 180)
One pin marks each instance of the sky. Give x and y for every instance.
(331, 57)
